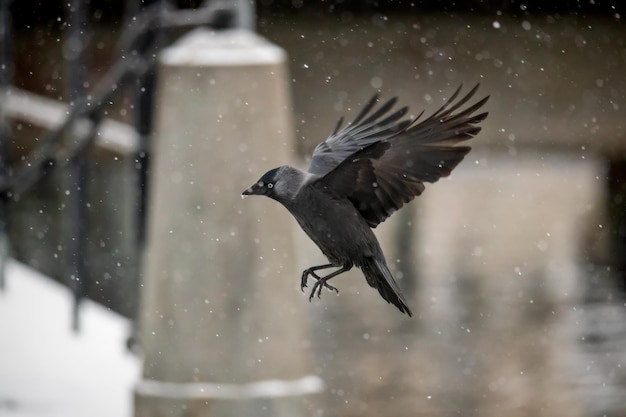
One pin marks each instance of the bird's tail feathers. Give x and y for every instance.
(378, 276)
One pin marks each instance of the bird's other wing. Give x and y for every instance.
(370, 126)
(385, 175)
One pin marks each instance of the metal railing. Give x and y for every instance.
(147, 31)
(6, 75)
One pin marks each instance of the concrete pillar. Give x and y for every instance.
(222, 322)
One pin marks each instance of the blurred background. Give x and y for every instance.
(514, 266)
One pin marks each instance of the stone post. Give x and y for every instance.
(222, 326)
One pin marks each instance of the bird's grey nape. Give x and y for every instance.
(289, 181)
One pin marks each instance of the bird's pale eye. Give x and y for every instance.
(270, 185)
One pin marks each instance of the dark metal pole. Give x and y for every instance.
(6, 76)
(144, 105)
(143, 118)
(77, 168)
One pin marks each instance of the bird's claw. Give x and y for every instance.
(321, 283)
(305, 277)
(303, 280)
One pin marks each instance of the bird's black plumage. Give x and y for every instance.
(361, 174)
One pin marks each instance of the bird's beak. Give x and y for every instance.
(252, 190)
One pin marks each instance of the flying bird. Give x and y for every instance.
(361, 174)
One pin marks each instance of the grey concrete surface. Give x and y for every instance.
(217, 305)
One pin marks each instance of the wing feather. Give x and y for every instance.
(380, 165)
(363, 131)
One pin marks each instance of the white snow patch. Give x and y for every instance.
(48, 370)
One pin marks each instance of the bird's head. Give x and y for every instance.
(280, 183)
(265, 185)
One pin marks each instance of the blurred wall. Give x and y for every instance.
(555, 81)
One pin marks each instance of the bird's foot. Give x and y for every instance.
(305, 278)
(319, 284)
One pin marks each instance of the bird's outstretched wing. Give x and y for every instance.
(363, 131)
(382, 164)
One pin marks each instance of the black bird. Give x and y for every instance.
(361, 175)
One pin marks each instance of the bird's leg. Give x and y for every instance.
(311, 271)
(322, 282)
